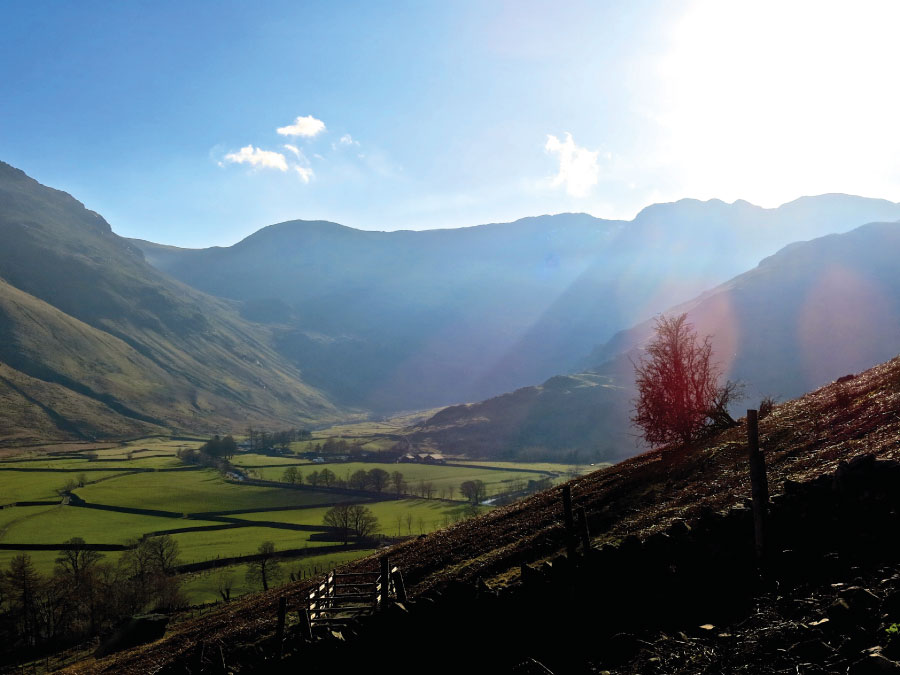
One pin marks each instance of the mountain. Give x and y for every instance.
(404, 320)
(813, 312)
(95, 342)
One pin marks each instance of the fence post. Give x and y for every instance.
(570, 521)
(759, 486)
(279, 631)
(399, 586)
(584, 531)
(385, 581)
(305, 626)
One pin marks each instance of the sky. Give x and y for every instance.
(197, 123)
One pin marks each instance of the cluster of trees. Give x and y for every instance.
(475, 491)
(376, 480)
(85, 594)
(354, 450)
(379, 480)
(352, 519)
(220, 448)
(262, 441)
(216, 452)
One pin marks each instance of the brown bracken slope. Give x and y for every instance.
(802, 439)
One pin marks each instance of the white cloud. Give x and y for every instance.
(307, 127)
(578, 167)
(258, 158)
(347, 139)
(306, 173)
(293, 148)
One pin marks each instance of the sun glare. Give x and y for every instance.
(770, 100)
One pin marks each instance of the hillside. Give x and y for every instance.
(579, 418)
(94, 342)
(406, 320)
(803, 440)
(807, 315)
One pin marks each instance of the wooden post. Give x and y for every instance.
(759, 486)
(570, 521)
(385, 581)
(399, 586)
(279, 631)
(305, 627)
(583, 530)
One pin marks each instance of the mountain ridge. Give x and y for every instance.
(412, 319)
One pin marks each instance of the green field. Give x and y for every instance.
(115, 483)
(17, 486)
(252, 459)
(56, 524)
(193, 492)
(199, 546)
(12, 514)
(552, 467)
(427, 515)
(201, 587)
(155, 446)
(440, 476)
(138, 462)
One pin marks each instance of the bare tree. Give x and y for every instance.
(225, 583)
(398, 482)
(348, 519)
(364, 521)
(339, 518)
(163, 553)
(678, 394)
(77, 561)
(359, 480)
(266, 569)
(379, 479)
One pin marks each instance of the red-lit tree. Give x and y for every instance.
(679, 398)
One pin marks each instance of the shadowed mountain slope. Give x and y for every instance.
(802, 439)
(807, 315)
(96, 342)
(408, 320)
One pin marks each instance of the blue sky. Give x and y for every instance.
(164, 116)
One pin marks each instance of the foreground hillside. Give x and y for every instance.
(814, 311)
(94, 342)
(803, 439)
(416, 319)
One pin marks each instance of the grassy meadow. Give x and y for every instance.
(147, 475)
(193, 492)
